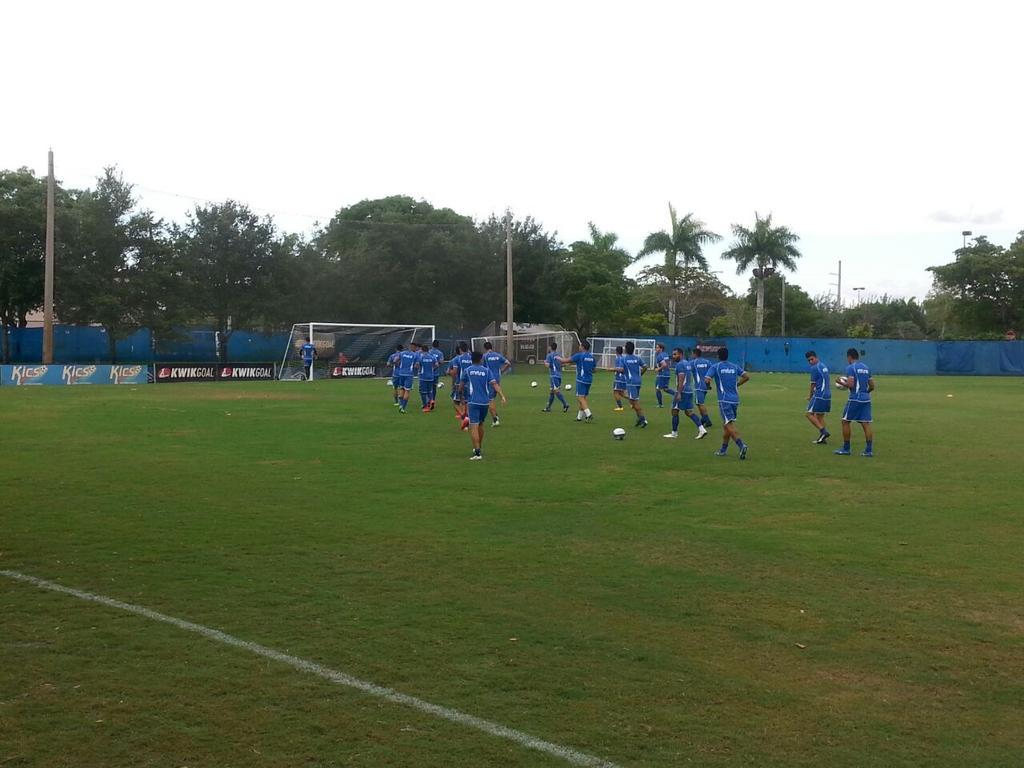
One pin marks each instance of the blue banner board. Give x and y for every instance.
(28, 375)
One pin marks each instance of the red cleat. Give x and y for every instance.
(425, 409)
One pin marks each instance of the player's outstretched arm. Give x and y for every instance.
(501, 393)
(743, 379)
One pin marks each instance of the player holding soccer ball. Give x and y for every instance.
(819, 399)
(632, 367)
(554, 366)
(498, 364)
(728, 378)
(663, 373)
(477, 382)
(684, 395)
(858, 408)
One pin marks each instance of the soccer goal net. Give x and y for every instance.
(603, 349)
(530, 348)
(346, 350)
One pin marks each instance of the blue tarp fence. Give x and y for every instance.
(75, 344)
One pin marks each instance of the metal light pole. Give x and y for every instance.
(860, 297)
(48, 270)
(966, 233)
(509, 351)
(783, 304)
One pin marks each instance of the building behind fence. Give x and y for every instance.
(74, 344)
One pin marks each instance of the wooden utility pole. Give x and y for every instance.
(509, 351)
(48, 278)
(783, 305)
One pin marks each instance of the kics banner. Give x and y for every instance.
(27, 375)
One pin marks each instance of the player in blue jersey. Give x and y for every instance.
(819, 398)
(700, 372)
(438, 356)
(618, 383)
(858, 407)
(478, 381)
(498, 364)
(404, 372)
(727, 378)
(632, 368)
(585, 363)
(683, 401)
(393, 362)
(426, 369)
(663, 369)
(456, 365)
(554, 366)
(309, 354)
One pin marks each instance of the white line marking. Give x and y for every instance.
(568, 754)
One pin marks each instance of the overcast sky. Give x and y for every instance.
(876, 130)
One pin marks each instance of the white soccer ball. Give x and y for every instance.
(568, 386)
(533, 383)
(842, 382)
(619, 433)
(440, 385)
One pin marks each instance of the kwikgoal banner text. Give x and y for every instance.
(167, 373)
(28, 375)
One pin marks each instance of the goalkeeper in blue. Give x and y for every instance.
(727, 378)
(308, 356)
(477, 381)
(858, 407)
(685, 391)
(663, 368)
(554, 366)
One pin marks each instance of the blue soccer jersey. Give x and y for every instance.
(700, 372)
(585, 363)
(308, 351)
(620, 377)
(437, 354)
(662, 359)
(406, 360)
(393, 359)
(476, 384)
(684, 368)
(495, 361)
(555, 364)
(819, 378)
(427, 366)
(857, 376)
(633, 368)
(726, 376)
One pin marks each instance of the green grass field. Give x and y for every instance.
(642, 601)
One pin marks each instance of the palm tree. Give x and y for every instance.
(769, 249)
(683, 247)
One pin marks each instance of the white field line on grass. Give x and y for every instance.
(567, 754)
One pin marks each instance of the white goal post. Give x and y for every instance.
(603, 348)
(530, 348)
(347, 350)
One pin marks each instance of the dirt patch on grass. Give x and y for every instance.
(1006, 619)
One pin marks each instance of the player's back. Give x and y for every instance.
(819, 377)
(726, 376)
(633, 366)
(661, 360)
(620, 376)
(860, 375)
(685, 368)
(554, 363)
(406, 361)
(427, 365)
(585, 365)
(701, 366)
(495, 361)
(475, 383)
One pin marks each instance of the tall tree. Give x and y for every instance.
(100, 273)
(802, 314)
(682, 246)
(698, 296)
(768, 249)
(22, 242)
(594, 282)
(228, 256)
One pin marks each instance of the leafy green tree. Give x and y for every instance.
(767, 248)
(22, 244)
(696, 295)
(986, 283)
(682, 246)
(801, 312)
(100, 275)
(594, 285)
(228, 255)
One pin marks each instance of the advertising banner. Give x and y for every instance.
(28, 375)
(246, 372)
(353, 371)
(167, 373)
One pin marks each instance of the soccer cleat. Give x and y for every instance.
(743, 453)
(841, 452)
(401, 410)
(395, 404)
(476, 457)
(565, 409)
(822, 439)
(496, 423)
(660, 405)
(671, 435)
(545, 410)
(702, 432)
(720, 452)
(620, 409)
(588, 419)
(867, 454)
(643, 424)
(425, 409)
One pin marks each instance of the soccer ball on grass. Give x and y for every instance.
(568, 386)
(533, 383)
(618, 433)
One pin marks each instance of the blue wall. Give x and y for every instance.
(884, 356)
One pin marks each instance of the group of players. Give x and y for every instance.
(476, 385)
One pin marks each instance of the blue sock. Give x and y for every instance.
(740, 443)
(705, 420)
(846, 445)
(725, 446)
(671, 392)
(618, 403)
(694, 419)
(433, 391)
(425, 398)
(822, 431)
(867, 447)
(657, 393)
(551, 399)
(675, 422)
(562, 400)
(396, 397)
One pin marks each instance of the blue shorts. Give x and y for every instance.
(820, 405)
(403, 382)
(661, 382)
(618, 386)
(582, 388)
(633, 391)
(701, 395)
(477, 413)
(556, 382)
(427, 385)
(728, 411)
(685, 401)
(857, 410)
